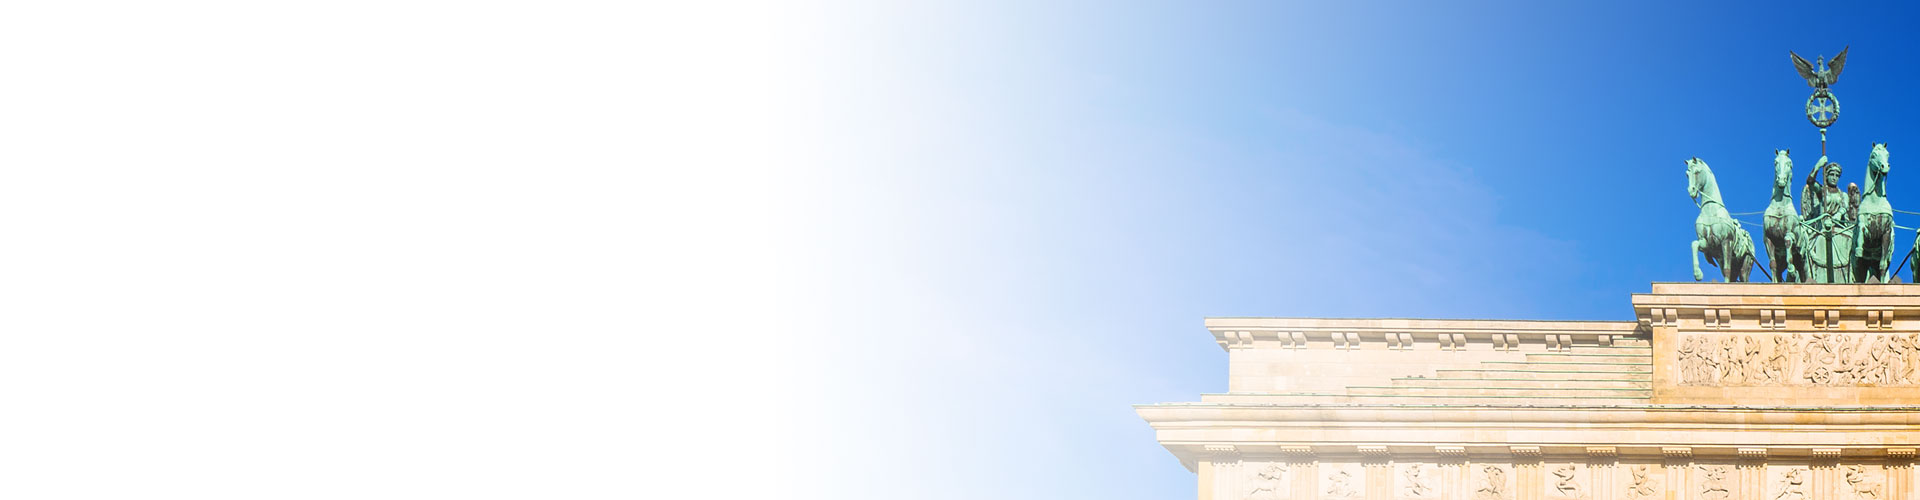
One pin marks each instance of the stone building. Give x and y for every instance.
(1715, 392)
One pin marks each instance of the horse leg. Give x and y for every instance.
(1746, 264)
(1774, 263)
(1732, 262)
(1695, 254)
(1794, 263)
(1886, 257)
(1862, 271)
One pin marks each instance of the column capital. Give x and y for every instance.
(1375, 455)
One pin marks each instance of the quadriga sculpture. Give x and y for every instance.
(1873, 248)
(1783, 230)
(1717, 234)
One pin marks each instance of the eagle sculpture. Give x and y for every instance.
(1821, 73)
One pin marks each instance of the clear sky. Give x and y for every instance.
(1023, 210)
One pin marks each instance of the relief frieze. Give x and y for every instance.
(1713, 483)
(1269, 483)
(1493, 482)
(1418, 481)
(1790, 485)
(1567, 481)
(1799, 359)
(1643, 482)
(1342, 481)
(1862, 483)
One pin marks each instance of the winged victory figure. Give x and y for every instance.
(1821, 72)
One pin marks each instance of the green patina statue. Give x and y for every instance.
(1873, 247)
(1821, 73)
(1836, 236)
(1827, 227)
(1784, 232)
(1822, 107)
(1717, 234)
(1824, 201)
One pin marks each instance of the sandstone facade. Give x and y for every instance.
(1715, 392)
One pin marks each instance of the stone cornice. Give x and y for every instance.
(1756, 307)
(1724, 433)
(1445, 334)
(1807, 418)
(1444, 454)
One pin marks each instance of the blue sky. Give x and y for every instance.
(841, 249)
(1017, 214)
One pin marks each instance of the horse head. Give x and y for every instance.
(1782, 169)
(1877, 160)
(1695, 169)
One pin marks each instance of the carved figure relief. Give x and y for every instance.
(1792, 486)
(1270, 483)
(1713, 483)
(1750, 351)
(1881, 362)
(1492, 484)
(1340, 485)
(1822, 359)
(1734, 370)
(1843, 368)
(1416, 482)
(1909, 348)
(1566, 482)
(1773, 371)
(1640, 486)
(1861, 484)
(1697, 366)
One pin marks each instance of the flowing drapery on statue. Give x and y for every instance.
(1830, 231)
(1717, 234)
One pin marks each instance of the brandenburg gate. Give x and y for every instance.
(1715, 392)
(1807, 388)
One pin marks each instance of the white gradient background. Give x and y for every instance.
(418, 249)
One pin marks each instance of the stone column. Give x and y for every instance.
(1825, 465)
(1601, 463)
(1679, 462)
(1379, 471)
(1900, 473)
(1217, 456)
(1526, 473)
(1306, 471)
(1752, 472)
(1204, 468)
(1453, 472)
